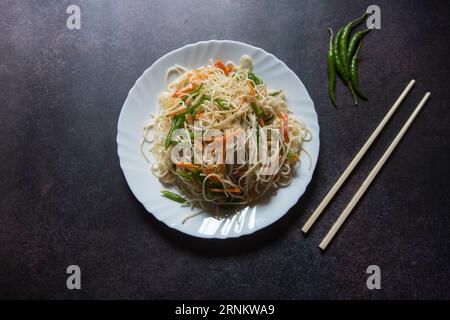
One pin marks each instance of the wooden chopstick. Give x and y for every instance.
(355, 160)
(371, 176)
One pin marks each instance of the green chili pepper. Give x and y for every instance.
(343, 40)
(354, 73)
(177, 123)
(275, 93)
(331, 70)
(257, 109)
(256, 80)
(342, 71)
(354, 41)
(173, 196)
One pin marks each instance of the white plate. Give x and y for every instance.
(142, 100)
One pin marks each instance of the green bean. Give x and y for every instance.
(256, 80)
(354, 73)
(343, 40)
(173, 196)
(331, 70)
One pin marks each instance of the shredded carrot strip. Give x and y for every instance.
(261, 122)
(231, 190)
(187, 165)
(188, 88)
(199, 115)
(230, 67)
(177, 111)
(252, 89)
(226, 69)
(216, 178)
(207, 170)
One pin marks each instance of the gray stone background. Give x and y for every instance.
(64, 199)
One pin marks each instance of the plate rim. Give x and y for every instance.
(215, 235)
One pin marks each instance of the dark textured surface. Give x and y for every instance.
(64, 199)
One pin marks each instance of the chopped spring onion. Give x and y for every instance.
(257, 109)
(275, 93)
(173, 196)
(256, 80)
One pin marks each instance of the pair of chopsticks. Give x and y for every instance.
(348, 209)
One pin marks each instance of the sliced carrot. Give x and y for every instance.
(177, 111)
(199, 115)
(207, 170)
(261, 122)
(216, 178)
(189, 118)
(231, 190)
(252, 89)
(186, 89)
(187, 165)
(230, 67)
(219, 64)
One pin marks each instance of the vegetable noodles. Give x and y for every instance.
(233, 100)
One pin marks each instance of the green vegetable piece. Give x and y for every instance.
(275, 93)
(256, 80)
(343, 40)
(259, 112)
(173, 196)
(354, 73)
(221, 103)
(177, 123)
(354, 41)
(331, 70)
(342, 71)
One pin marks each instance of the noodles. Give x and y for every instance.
(237, 140)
